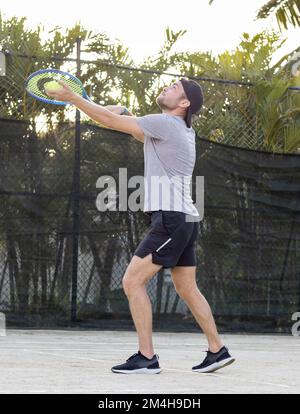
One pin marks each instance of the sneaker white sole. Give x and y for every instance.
(138, 371)
(215, 366)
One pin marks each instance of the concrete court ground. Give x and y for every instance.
(75, 362)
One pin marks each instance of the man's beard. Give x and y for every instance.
(160, 103)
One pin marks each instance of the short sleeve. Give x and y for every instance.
(156, 126)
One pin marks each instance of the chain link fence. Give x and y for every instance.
(248, 250)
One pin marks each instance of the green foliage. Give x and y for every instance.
(278, 115)
(232, 114)
(287, 12)
(16, 38)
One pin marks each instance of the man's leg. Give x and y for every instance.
(184, 279)
(138, 273)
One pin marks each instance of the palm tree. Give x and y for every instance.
(286, 12)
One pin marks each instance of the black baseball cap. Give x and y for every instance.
(194, 94)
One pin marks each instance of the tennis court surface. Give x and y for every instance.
(68, 361)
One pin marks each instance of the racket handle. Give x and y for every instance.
(125, 111)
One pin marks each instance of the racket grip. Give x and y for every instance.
(125, 111)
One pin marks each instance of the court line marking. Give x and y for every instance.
(72, 391)
(237, 347)
(26, 392)
(48, 345)
(107, 391)
(66, 348)
(63, 356)
(235, 378)
(167, 369)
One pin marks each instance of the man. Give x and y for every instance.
(169, 151)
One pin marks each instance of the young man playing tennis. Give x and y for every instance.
(169, 151)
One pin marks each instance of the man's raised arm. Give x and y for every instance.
(119, 110)
(106, 117)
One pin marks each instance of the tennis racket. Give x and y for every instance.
(35, 85)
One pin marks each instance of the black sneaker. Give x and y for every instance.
(138, 364)
(215, 361)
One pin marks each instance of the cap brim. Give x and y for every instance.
(188, 118)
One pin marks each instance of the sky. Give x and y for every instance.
(140, 25)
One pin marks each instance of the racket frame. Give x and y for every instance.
(60, 72)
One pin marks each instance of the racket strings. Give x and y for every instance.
(36, 85)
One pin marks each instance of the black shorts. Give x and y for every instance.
(171, 240)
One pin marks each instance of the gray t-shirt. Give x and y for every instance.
(170, 155)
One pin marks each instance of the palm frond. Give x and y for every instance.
(286, 12)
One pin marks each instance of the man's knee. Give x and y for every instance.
(138, 272)
(131, 281)
(186, 290)
(127, 285)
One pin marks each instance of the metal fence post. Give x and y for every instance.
(76, 202)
